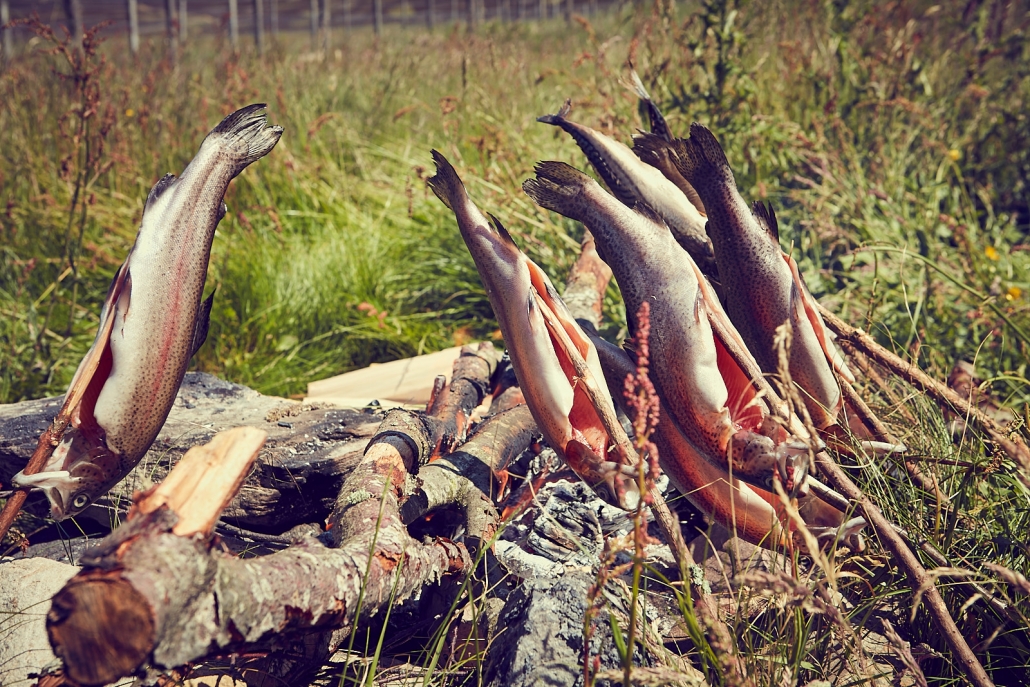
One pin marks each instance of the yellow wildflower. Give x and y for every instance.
(954, 154)
(991, 252)
(130, 112)
(1013, 293)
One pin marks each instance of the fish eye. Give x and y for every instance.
(80, 501)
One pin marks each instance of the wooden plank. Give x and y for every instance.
(407, 381)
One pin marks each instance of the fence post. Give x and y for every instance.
(314, 25)
(172, 34)
(429, 14)
(570, 8)
(184, 21)
(378, 20)
(275, 20)
(327, 24)
(543, 10)
(74, 9)
(259, 26)
(348, 15)
(5, 16)
(234, 25)
(133, 27)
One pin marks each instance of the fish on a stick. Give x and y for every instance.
(708, 393)
(632, 182)
(153, 320)
(537, 329)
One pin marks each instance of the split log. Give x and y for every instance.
(158, 591)
(450, 407)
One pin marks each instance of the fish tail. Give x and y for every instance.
(659, 126)
(650, 148)
(246, 128)
(446, 183)
(555, 185)
(557, 118)
(700, 158)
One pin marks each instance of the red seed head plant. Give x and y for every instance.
(643, 405)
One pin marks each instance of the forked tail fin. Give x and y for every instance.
(246, 130)
(445, 183)
(555, 186)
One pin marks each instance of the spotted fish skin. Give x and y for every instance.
(762, 287)
(153, 320)
(519, 291)
(708, 396)
(634, 182)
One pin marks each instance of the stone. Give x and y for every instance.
(26, 587)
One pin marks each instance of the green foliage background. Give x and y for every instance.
(891, 139)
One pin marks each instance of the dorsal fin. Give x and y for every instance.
(496, 223)
(162, 185)
(766, 219)
(648, 212)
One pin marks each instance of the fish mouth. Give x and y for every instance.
(54, 484)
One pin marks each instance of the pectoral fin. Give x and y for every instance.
(202, 325)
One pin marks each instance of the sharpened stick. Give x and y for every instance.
(1014, 447)
(916, 573)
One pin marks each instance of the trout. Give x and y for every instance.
(762, 286)
(634, 182)
(751, 513)
(153, 320)
(523, 300)
(707, 392)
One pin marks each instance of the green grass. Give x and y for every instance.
(891, 141)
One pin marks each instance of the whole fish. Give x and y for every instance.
(634, 182)
(658, 155)
(153, 320)
(524, 300)
(762, 286)
(707, 392)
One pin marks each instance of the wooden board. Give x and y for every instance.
(400, 382)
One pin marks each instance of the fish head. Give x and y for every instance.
(80, 469)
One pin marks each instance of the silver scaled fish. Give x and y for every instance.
(153, 320)
(528, 310)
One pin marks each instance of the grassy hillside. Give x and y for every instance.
(891, 139)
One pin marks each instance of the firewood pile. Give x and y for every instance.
(231, 531)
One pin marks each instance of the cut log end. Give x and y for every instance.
(100, 627)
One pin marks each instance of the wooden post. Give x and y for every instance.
(472, 14)
(454, 11)
(314, 25)
(570, 7)
(348, 15)
(327, 26)
(234, 25)
(74, 9)
(259, 26)
(133, 27)
(378, 8)
(543, 10)
(184, 20)
(5, 16)
(275, 20)
(170, 30)
(429, 14)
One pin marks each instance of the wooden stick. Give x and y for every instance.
(866, 414)
(1015, 447)
(916, 573)
(48, 441)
